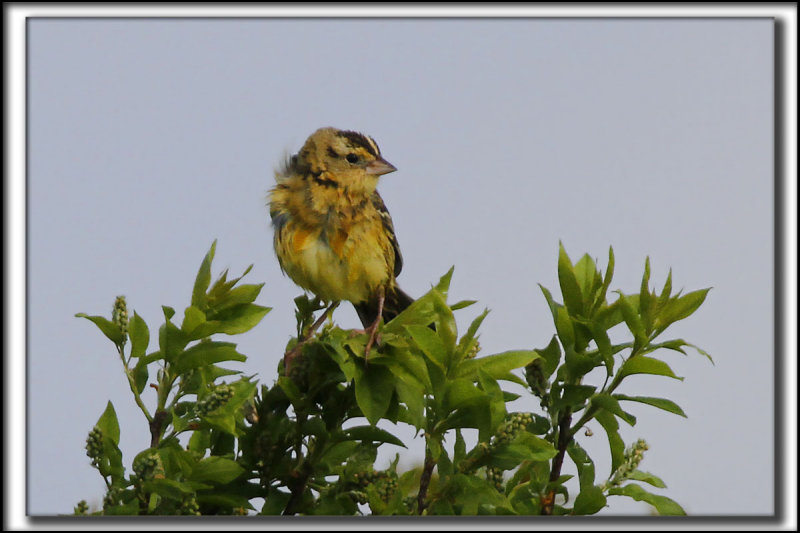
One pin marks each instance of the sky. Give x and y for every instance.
(151, 138)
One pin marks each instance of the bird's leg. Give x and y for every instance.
(372, 330)
(294, 352)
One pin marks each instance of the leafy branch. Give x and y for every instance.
(308, 443)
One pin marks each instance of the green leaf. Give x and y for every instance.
(590, 501)
(471, 492)
(109, 329)
(474, 416)
(140, 375)
(411, 369)
(292, 392)
(232, 320)
(275, 501)
(573, 299)
(577, 365)
(462, 304)
(171, 340)
(583, 463)
(497, 365)
(462, 393)
(601, 296)
(113, 462)
(666, 292)
(221, 421)
(444, 466)
(430, 343)
(616, 445)
(646, 477)
(497, 404)
(168, 488)
(551, 356)
(538, 448)
(445, 324)
(524, 447)
(414, 400)
(573, 396)
(586, 274)
(108, 423)
(675, 345)
(372, 434)
(203, 279)
(139, 335)
(374, 386)
(338, 453)
(467, 341)
(646, 302)
(200, 441)
(641, 364)
(243, 294)
(460, 447)
(632, 320)
(150, 358)
(664, 506)
(565, 328)
(610, 404)
(207, 353)
(701, 352)
(224, 500)
(525, 499)
(603, 342)
(661, 403)
(192, 318)
(679, 308)
(444, 282)
(550, 302)
(217, 470)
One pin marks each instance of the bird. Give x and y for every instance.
(333, 235)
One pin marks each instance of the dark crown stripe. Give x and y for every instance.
(362, 140)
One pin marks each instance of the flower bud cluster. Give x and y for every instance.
(514, 423)
(119, 315)
(82, 508)
(148, 466)
(385, 483)
(410, 502)
(495, 477)
(633, 456)
(94, 445)
(474, 348)
(111, 498)
(216, 399)
(537, 382)
(190, 507)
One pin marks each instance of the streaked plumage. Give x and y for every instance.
(333, 234)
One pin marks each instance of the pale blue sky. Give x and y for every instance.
(151, 138)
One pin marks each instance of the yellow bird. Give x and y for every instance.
(333, 234)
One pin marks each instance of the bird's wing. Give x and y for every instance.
(386, 219)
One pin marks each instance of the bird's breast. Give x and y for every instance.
(339, 260)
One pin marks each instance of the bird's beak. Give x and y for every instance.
(379, 167)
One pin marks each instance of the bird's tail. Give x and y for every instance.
(394, 303)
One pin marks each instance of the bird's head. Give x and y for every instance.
(349, 158)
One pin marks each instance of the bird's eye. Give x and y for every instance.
(352, 158)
